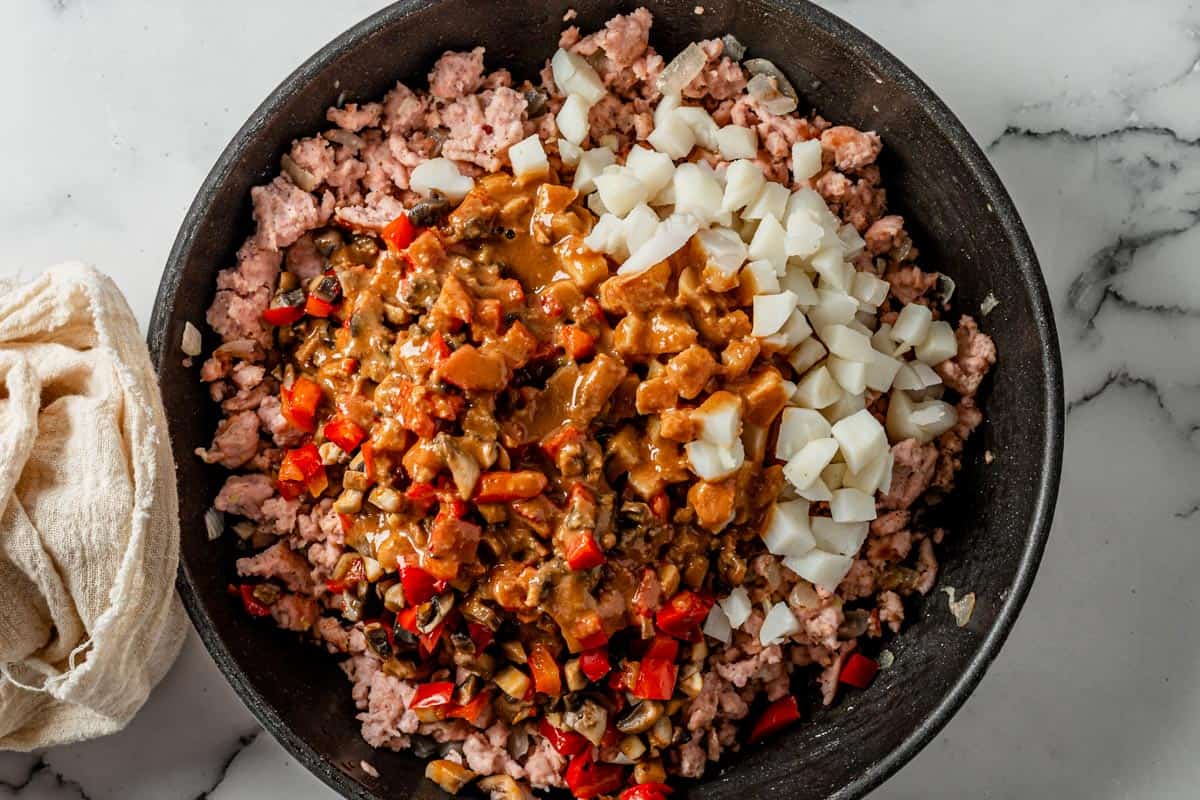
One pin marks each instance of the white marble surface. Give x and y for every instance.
(1091, 112)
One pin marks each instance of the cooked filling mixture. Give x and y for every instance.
(594, 423)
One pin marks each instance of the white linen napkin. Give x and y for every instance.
(89, 526)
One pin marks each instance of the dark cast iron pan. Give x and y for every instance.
(962, 220)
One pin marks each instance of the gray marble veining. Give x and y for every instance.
(1091, 113)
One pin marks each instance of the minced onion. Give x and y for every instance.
(733, 48)
(886, 659)
(718, 626)
(737, 606)
(945, 288)
(214, 521)
(345, 138)
(961, 608)
(770, 86)
(779, 624)
(190, 342)
(988, 305)
(682, 70)
(299, 175)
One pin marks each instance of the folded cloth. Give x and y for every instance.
(89, 525)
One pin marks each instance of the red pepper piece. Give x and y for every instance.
(551, 306)
(567, 743)
(547, 678)
(658, 671)
(429, 641)
(589, 632)
(345, 433)
(289, 490)
(316, 307)
(481, 635)
(587, 779)
(472, 711)
(438, 346)
(421, 494)
(406, 618)
(778, 715)
(576, 342)
(400, 232)
(594, 663)
(662, 648)
(504, 487)
(647, 791)
(583, 552)
(683, 614)
(253, 606)
(301, 465)
(368, 454)
(282, 315)
(559, 438)
(432, 695)
(418, 584)
(299, 403)
(660, 504)
(858, 671)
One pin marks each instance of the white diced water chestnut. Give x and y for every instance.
(795, 280)
(843, 407)
(771, 202)
(846, 343)
(771, 311)
(717, 625)
(591, 163)
(528, 157)
(607, 235)
(806, 356)
(569, 152)
(743, 181)
(851, 505)
(805, 467)
(851, 240)
(769, 244)
(669, 237)
(832, 308)
(723, 249)
(803, 235)
(817, 389)
(653, 169)
(795, 331)
(779, 624)
(817, 491)
(899, 418)
(737, 606)
(702, 125)
(697, 192)
(574, 75)
(734, 141)
(869, 290)
(806, 159)
(881, 371)
(850, 375)
(786, 531)
(818, 567)
(620, 190)
(638, 226)
(712, 462)
(572, 119)
(442, 175)
(807, 200)
(719, 418)
(833, 475)
(934, 417)
(760, 278)
(939, 343)
(666, 106)
(798, 427)
(843, 538)
(861, 439)
(912, 325)
(870, 478)
(831, 266)
(673, 136)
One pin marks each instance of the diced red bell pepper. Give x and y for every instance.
(301, 465)
(438, 347)
(660, 504)
(616, 681)
(368, 454)
(547, 678)
(282, 315)
(289, 490)
(299, 403)
(858, 671)
(253, 606)
(418, 584)
(316, 307)
(347, 522)
(432, 695)
(576, 342)
(354, 576)
(662, 648)
(566, 743)
(429, 641)
(421, 494)
(778, 715)
(504, 487)
(400, 232)
(589, 631)
(406, 618)
(594, 663)
(683, 614)
(647, 791)
(658, 671)
(473, 710)
(587, 779)
(345, 433)
(551, 306)
(559, 438)
(583, 552)
(481, 635)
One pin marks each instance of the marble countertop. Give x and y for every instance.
(1090, 112)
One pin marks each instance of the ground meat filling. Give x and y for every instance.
(458, 437)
